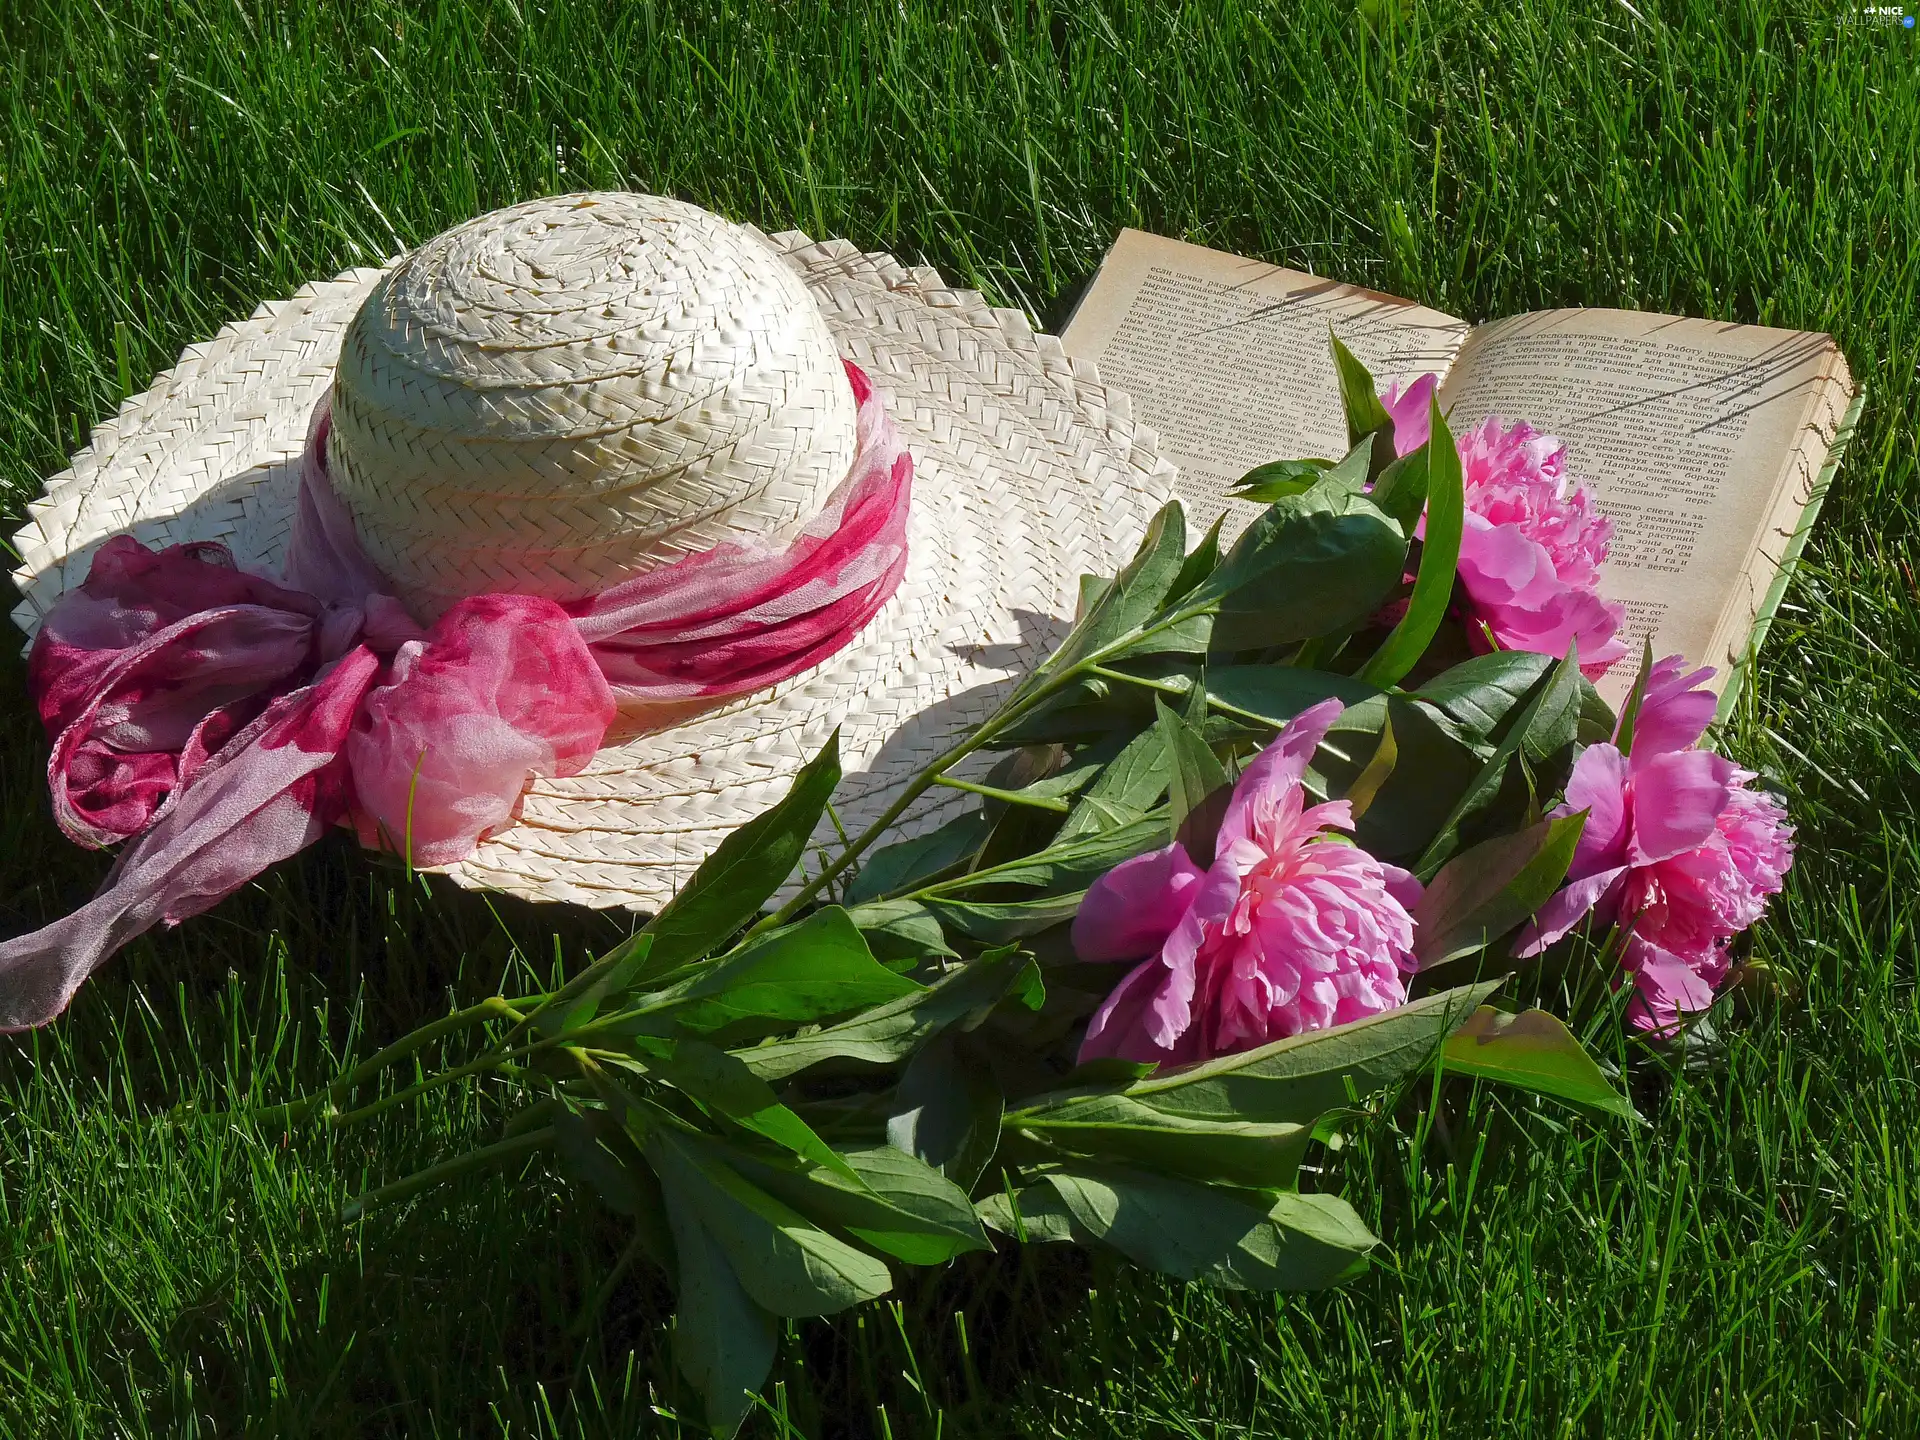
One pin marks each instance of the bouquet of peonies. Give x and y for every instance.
(1270, 828)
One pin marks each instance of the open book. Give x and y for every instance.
(1709, 444)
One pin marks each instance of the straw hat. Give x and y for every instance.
(558, 395)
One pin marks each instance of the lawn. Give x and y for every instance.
(1744, 1263)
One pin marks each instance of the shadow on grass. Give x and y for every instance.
(460, 1318)
(459, 1312)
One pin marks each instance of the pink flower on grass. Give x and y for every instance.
(1531, 548)
(1290, 929)
(1676, 850)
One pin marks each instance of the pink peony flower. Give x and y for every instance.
(1676, 849)
(1531, 550)
(1291, 928)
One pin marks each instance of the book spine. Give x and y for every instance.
(1789, 560)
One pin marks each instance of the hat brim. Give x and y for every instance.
(1028, 472)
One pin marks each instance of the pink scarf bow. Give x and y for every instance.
(229, 721)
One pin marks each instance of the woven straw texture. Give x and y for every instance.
(1028, 472)
(554, 397)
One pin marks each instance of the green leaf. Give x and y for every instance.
(931, 1215)
(1277, 693)
(1275, 481)
(1596, 721)
(1201, 562)
(1078, 773)
(1191, 635)
(1401, 490)
(886, 1199)
(611, 975)
(947, 1110)
(1541, 727)
(1204, 1232)
(1087, 710)
(1359, 397)
(1019, 827)
(1364, 461)
(1135, 596)
(1195, 773)
(1119, 1128)
(1431, 767)
(889, 1032)
(1122, 794)
(1106, 1070)
(1439, 563)
(818, 967)
(1092, 587)
(910, 863)
(998, 922)
(724, 1084)
(1482, 893)
(1630, 709)
(1035, 1216)
(1296, 1080)
(1068, 864)
(747, 867)
(1379, 767)
(1480, 693)
(1533, 1051)
(901, 930)
(1309, 564)
(785, 1262)
(1551, 728)
(722, 1342)
(1314, 1242)
(598, 1155)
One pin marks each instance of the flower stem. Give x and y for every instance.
(1029, 695)
(490, 1061)
(917, 787)
(1011, 797)
(447, 1170)
(1167, 687)
(494, 1007)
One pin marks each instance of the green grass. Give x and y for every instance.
(1745, 1264)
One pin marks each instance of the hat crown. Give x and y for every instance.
(556, 396)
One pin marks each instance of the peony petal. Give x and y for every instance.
(1411, 412)
(1598, 785)
(1555, 616)
(1289, 929)
(1275, 772)
(1129, 912)
(1403, 885)
(1171, 1010)
(1676, 708)
(1330, 815)
(1566, 908)
(1669, 987)
(1758, 837)
(1677, 800)
(1119, 1026)
(1500, 566)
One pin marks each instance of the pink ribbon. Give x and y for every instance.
(229, 721)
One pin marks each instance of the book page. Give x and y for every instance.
(1702, 440)
(1227, 359)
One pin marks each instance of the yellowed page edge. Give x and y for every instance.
(1687, 431)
